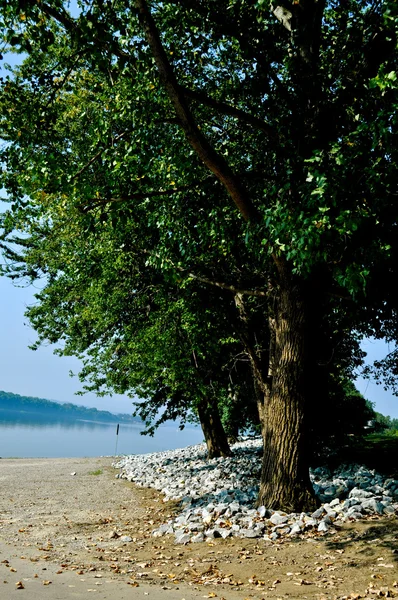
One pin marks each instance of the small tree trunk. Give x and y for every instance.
(213, 430)
(285, 482)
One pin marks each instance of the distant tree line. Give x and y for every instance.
(382, 423)
(15, 403)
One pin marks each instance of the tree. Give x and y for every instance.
(259, 140)
(135, 331)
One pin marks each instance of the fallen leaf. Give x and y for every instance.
(46, 582)
(19, 585)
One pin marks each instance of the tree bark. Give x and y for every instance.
(285, 483)
(282, 384)
(213, 430)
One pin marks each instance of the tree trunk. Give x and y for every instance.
(213, 430)
(285, 482)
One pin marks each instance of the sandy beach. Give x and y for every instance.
(69, 529)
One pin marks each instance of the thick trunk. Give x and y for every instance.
(213, 430)
(285, 482)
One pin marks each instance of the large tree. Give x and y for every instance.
(258, 140)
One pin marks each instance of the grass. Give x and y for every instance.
(97, 472)
(376, 451)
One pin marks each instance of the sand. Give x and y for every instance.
(65, 526)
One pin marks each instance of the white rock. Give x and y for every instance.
(278, 519)
(323, 526)
(221, 491)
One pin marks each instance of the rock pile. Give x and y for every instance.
(217, 496)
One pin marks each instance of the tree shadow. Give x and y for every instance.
(381, 534)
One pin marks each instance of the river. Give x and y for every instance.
(35, 439)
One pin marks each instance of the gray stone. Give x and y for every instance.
(225, 533)
(195, 526)
(317, 514)
(295, 530)
(207, 517)
(323, 526)
(310, 522)
(349, 502)
(334, 502)
(278, 519)
(113, 535)
(356, 516)
(248, 533)
(262, 511)
(182, 538)
(213, 493)
(213, 533)
(359, 493)
(165, 528)
(357, 508)
(371, 505)
(234, 507)
(186, 501)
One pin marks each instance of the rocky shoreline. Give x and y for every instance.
(217, 496)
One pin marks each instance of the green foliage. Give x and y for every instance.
(138, 241)
(385, 424)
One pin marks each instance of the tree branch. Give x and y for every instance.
(230, 110)
(71, 24)
(228, 287)
(207, 154)
(213, 161)
(95, 202)
(95, 157)
(219, 284)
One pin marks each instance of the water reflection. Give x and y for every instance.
(33, 436)
(15, 419)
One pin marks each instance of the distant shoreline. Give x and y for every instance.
(16, 404)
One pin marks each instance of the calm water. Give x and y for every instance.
(81, 438)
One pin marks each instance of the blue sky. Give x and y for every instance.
(39, 373)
